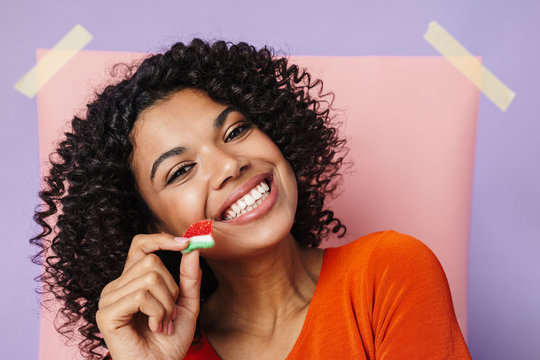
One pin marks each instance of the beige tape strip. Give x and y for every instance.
(53, 61)
(469, 65)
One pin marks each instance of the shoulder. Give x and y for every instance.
(389, 252)
(388, 243)
(399, 292)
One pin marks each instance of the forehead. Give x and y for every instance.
(179, 120)
(190, 103)
(186, 110)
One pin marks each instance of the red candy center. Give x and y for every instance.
(203, 227)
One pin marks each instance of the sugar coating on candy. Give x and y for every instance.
(202, 227)
(200, 236)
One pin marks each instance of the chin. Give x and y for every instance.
(250, 239)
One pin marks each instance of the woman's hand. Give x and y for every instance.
(143, 314)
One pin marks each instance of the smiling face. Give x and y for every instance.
(194, 158)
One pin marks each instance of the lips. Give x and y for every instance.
(248, 202)
(246, 198)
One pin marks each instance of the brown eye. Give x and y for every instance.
(238, 131)
(181, 171)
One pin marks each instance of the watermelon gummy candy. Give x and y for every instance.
(200, 236)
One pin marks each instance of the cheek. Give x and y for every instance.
(286, 172)
(288, 176)
(178, 209)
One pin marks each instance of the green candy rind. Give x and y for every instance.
(198, 244)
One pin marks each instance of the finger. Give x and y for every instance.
(144, 244)
(119, 314)
(150, 263)
(151, 282)
(190, 282)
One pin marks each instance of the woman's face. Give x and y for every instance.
(194, 159)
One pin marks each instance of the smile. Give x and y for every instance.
(248, 202)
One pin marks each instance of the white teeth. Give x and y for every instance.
(256, 194)
(249, 199)
(230, 214)
(248, 202)
(241, 204)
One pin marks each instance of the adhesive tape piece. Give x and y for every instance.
(469, 65)
(75, 40)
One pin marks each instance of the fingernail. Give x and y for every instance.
(160, 327)
(181, 240)
(170, 328)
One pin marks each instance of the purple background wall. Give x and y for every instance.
(504, 278)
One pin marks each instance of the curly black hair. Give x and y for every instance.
(91, 209)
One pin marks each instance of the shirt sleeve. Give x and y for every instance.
(413, 314)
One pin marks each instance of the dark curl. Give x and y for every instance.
(91, 207)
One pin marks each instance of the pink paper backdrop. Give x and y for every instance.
(411, 124)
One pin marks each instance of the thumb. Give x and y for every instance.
(190, 282)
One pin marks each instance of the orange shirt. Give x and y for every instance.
(384, 296)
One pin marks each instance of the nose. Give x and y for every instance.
(224, 165)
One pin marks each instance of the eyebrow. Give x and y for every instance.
(220, 119)
(179, 150)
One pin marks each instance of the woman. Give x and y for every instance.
(229, 133)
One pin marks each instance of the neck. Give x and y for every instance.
(259, 291)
